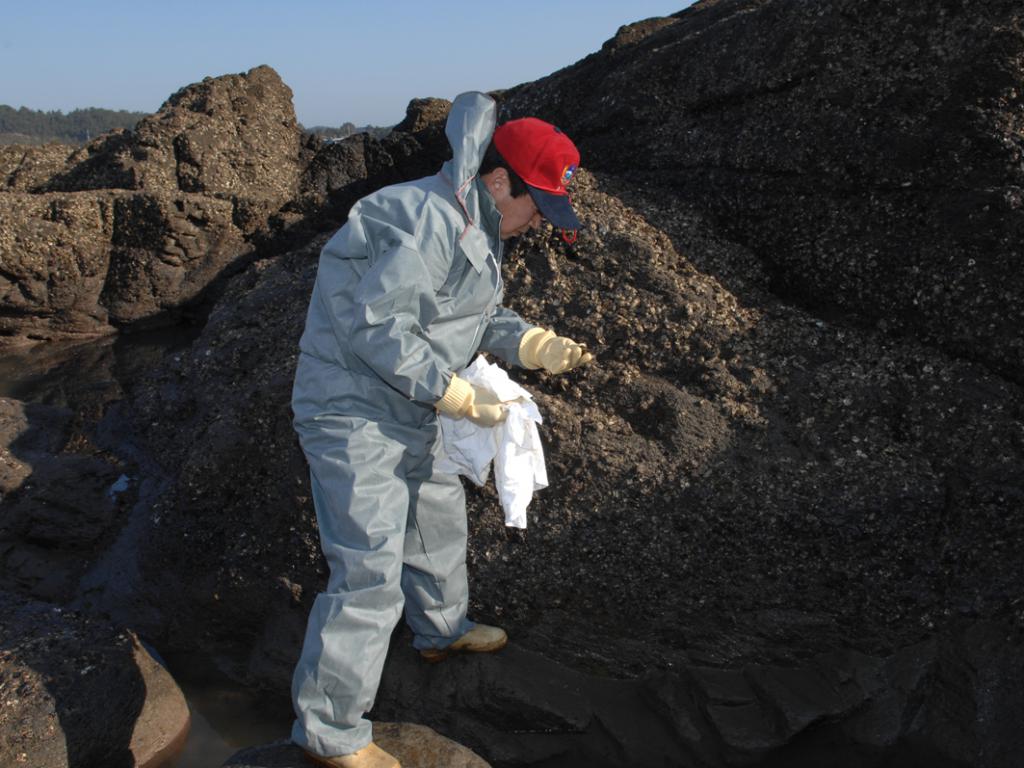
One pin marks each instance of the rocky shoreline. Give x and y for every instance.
(784, 521)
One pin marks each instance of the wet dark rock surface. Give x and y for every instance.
(784, 512)
(65, 499)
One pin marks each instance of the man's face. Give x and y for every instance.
(518, 214)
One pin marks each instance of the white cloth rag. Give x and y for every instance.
(514, 445)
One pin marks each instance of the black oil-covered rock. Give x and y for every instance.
(871, 155)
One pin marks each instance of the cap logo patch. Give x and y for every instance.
(567, 173)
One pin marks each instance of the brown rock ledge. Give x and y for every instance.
(415, 746)
(76, 691)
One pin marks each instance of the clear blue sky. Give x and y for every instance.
(346, 60)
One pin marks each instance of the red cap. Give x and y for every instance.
(546, 159)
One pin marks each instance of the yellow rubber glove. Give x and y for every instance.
(555, 354)
(464, 401)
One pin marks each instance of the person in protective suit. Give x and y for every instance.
(407, 292)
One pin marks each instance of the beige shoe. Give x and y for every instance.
(480, 639)
(370, 756)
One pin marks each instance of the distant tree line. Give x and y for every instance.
(76, 127)
(346, 130)
(32, 126)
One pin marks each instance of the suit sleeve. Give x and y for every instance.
(504, 330)
(393, 304)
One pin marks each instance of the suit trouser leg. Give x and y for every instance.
(379, 505)
(362, 503)
(434, 577)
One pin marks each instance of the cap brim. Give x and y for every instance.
(555, 208)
